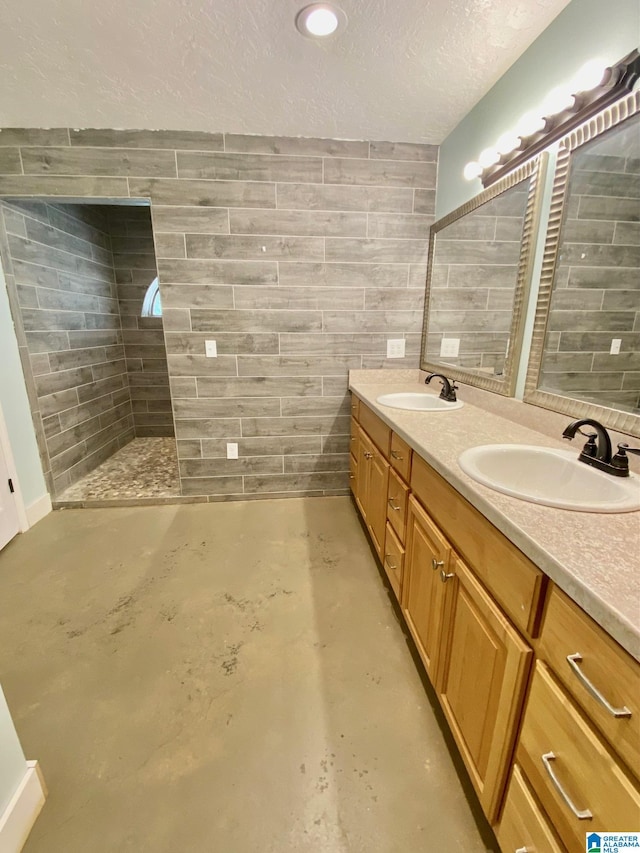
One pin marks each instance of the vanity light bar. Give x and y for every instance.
(600, 88)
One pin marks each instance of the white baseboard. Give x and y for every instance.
(38, 509)
(22, 811)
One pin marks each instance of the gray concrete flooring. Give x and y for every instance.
(228, 678)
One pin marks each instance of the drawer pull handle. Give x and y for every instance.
(581, 814)
(396, 455)
(353, 438)
(352, 476)
(444, 576)
(436, 564)
(573, 661)
(368, 455)
(391, 565)
(392, 505)
(521, 850)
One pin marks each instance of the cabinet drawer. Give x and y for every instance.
(355, 407)
(579, 781)
(397, 495)
(400, 456)
(514, 581)
(376, 429)
(588, 662)
(353, 474)
(393, 560)
(523, 827)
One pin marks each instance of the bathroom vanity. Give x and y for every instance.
(525, 618)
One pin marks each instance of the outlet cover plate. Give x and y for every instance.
(450, 347)
(395, 348)
(210, 349)
(232, 450)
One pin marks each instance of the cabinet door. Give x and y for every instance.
(397, 497)
(483, 677)
(365, 453)
(423, 593)
(376, 500)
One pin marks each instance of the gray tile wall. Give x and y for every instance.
(300, 257)
(597, 288)
(61, 283)
(134, 262)
(475, 271)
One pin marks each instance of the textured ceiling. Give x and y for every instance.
(402, 69)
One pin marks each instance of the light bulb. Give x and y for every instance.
(558, 100)
(507, 143)
(589, 76)
(322, 22)
(530, 123)
(319, 20)
(488, 157)
(472, 170)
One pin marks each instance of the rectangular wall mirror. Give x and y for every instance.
(478, 278)
(585, 356)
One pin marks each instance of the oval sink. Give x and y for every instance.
(418, 402)
(551, 477)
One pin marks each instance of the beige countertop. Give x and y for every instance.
(594, 558)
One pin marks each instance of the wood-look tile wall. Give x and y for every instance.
(596, 294)
(134, 262)
(63, 293)
(300, 257)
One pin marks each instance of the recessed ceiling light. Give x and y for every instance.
(320, 20)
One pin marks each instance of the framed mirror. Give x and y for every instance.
(585, 354)
(478, 278)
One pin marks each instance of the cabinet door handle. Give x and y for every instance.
(352, 476)
(436, 564)
(396, 455)
(444, 576)
(353, 438)
(393, 567)
(368, 455)
(573, 661)
(521, 850)
(581, 814)
(392, 505)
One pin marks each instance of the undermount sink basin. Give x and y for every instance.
(551, 477)
(417, 402)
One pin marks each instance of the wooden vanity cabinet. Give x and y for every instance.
(579, 781)
(524, 826)
(598, 674)
(424, 596)
(371, 491)
(482, 680)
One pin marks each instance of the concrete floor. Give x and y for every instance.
(221, 678)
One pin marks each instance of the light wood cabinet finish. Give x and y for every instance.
(355, 407)
(393, 561)
(376, 429)
(588, 772)
(397, 497)
(515, 582)
(371, 494)
(424, 596)
(355, 438)
(568, 631)
(523, 827)
(482, 681)
(400, 456)
(353, 475)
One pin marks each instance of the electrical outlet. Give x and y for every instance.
(615, 346)
(232, 450)
(395, 348)
(210, 349)
(450, 346)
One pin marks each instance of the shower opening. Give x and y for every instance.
(84, 293)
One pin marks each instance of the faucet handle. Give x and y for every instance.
(621, 461)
